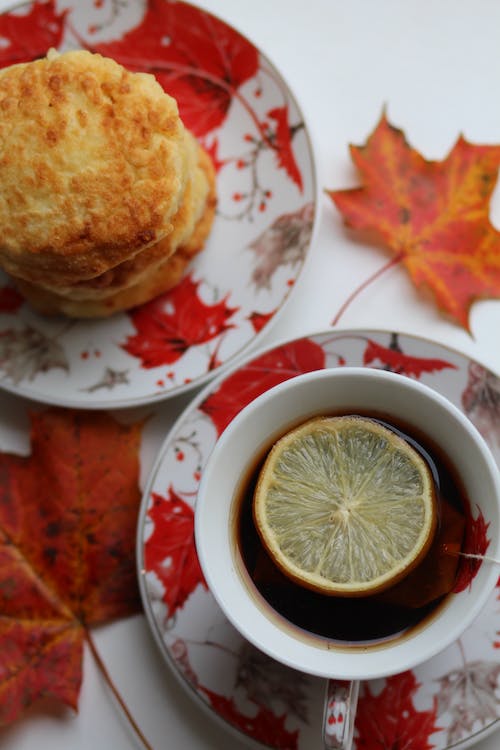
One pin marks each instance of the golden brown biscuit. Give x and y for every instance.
(92, 166)
(131, 271)
(157, 278)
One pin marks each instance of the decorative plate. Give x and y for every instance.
(242, 111)
(449, 702)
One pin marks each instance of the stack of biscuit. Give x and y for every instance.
(105, 196)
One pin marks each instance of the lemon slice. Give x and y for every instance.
(345, 506)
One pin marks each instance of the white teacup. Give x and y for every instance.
(326, 392)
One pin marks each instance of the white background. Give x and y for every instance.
(435, 66)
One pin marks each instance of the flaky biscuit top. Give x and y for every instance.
(148, 274)
(131, 271)
(92, 166)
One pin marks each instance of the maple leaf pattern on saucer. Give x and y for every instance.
(284, 242)
(262, 725)
(196, 57)
(43, 24)
(282, 143)
(378, 715)
(257, 712)
(170, 550)
(467, 695)
(110, 379)
(269, 683)
(258, 376)
(481, 403)
(173, 322)
(394, 359)
(27, 352)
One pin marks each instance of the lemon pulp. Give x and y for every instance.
(345, 506)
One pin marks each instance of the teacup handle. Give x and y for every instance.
(341, 700)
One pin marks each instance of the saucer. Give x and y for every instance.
(451, 701)
(243, 112)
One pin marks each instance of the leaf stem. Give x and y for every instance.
(107, 677)
(392, 262)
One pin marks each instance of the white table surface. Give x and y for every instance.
(435, 65)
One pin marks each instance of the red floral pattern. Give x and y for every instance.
(259, 320)
(263, 726)
(170, 324)
(397, 361)
(389, 720)
(258, 376)
(29, 35)
(476, 543)
(283, 144)
(170, 550)
(197, 58)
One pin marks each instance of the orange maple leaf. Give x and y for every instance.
(433, 215)
(67, 528)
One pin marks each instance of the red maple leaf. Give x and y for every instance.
(170, 324)
(170, 550)
(258, 376)
(389, 720)
(264, 726)
(198, 59)
(433, 216)
(68, 517)
(397, 361)
(30, 35)
(10, 299)
(476, 542)
(282, 145)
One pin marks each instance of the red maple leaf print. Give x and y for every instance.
(282, 144)
(258, 376)
(481, 403)
(264, 726)
(467, 695)
(212, 150)
(10, 299)
(396, 361)
(476, 542)
(283, 242)
(389, 720)
(173, 322)
(199, 60)
(29, 35)
(260, 320)
(170, 550)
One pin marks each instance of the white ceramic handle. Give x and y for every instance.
(340, 709)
